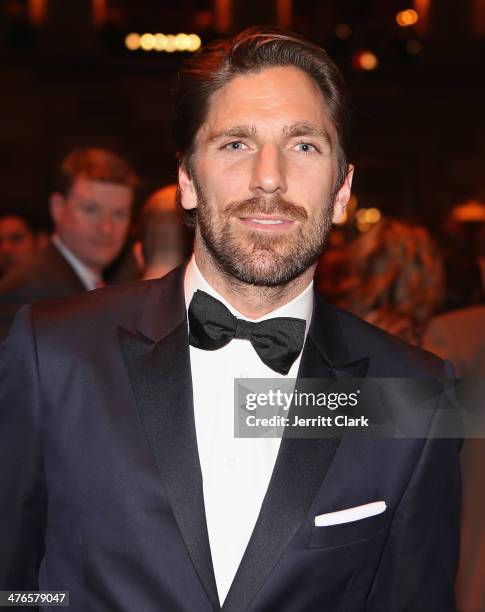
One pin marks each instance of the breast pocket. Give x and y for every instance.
(348, 533)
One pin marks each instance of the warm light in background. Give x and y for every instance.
(37, 11)
(182, 42)
(479, 17)
(365, 60)
(195, 42)
(422, 8)
(223, 15)
(170, 45)
(469, 211)
(343, 31)
(99, 12)
(366, 217)
(132, 41)
(284, 13)
(369, 61)
(162, 42)
(407, 18)
(414, 47)
(147, 42)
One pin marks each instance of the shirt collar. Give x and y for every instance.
(88, 278)
(300, 307)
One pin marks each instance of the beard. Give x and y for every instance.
(256, 257)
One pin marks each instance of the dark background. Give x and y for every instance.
(67, 79)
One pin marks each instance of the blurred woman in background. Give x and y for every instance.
(392, 276)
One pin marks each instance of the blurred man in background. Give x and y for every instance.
(165, 240)
(18, 241)
(459, 336)
(91, 211)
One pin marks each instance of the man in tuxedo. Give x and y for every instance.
(91, 210)
(121, 478)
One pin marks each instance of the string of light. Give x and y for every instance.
(162, 42)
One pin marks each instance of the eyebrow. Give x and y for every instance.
(86, 200)
(238, 131)
(295, 130)
(307, 129)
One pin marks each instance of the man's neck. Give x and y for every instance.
(161, 267)
(94, 269)
(250, 300)
(86, 274)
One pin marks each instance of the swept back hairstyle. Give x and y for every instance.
(255, 49)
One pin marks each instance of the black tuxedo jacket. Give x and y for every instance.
(48, 275)
(101, 488)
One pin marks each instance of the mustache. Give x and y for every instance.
(276, 206)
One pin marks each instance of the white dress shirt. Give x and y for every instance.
(235, 471)
(88, 278)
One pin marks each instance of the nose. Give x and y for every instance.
(106, 225)
(7, 246)
(269, 171)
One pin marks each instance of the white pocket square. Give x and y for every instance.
(350, 514)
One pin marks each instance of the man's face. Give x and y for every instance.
(93, 220)
(263, 176)
(17, 243)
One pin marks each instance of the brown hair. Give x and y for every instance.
(392, 276)
(250, 51)
(95, 164)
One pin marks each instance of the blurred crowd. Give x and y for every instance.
(396, 276)
(95, 239)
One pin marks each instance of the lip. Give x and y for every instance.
(267, 223)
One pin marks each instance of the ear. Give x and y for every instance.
(343, 195)
(138, 255)
(481, 263)
(41, 240)
(188, 196)
(56, 204)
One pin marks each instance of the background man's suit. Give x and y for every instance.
(101, 483)
(47, 276)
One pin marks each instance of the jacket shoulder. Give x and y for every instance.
(452, 322)
(46, 275)
(115, 305)
(389, 355)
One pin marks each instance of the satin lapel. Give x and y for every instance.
(328, 339)
(158, 367)
(300, 468)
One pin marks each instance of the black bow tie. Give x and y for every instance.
(277, 341)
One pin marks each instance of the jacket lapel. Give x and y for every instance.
(157, 360)
(300, 467)
(328, 339)
(158, 365)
